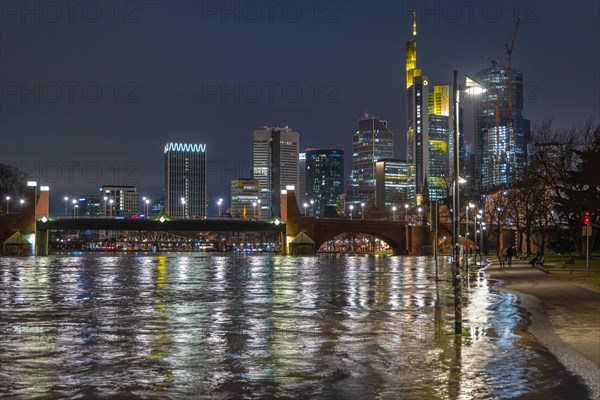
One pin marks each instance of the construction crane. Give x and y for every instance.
(508, 49)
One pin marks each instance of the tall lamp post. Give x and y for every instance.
(66, 206)
(147, 201)
(183, 208)
(362, 210)
(351, 210)
(394, 213)
(220, 203)
(471, 87)
(8, 203)
(406, 213)
(312, 208)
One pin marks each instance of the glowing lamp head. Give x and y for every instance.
(587, 220)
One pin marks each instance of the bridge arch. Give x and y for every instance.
(397, 248)
(321, 230)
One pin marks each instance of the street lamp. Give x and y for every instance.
(419, 209)
(312, 208)
(471, 87)
(183, 207)
(7, 203)
(66, 206)
(22, 202)
(219, 203)
(394, 213)
(254, 206)
(111, 202)
(105, 201)
(406, 212)
(362, 210)
(74, 204)
(305, 207)
(147, 201)
(351, 210)
(259, 211)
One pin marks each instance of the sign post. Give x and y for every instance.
(587, 232)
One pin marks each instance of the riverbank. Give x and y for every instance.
(565, 317)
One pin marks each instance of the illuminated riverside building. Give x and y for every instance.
(372, 142)
(185, 180)
(501, 132)
(393, 186)
(244, 198)
(324, 178)
(275, 166)
(118, 201)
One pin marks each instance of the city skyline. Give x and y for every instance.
(118, 139)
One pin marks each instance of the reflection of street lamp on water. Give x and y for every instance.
(469, 205)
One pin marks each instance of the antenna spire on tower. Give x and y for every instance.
(414, 24)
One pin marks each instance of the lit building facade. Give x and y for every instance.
(372, 142)
(324, 178)
(301, 192)
(245, 194)
(185, 180)
(501, 132)
(275, 166)
(118, 201)
(393, 185)
(90, 205)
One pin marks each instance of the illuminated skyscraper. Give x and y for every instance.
(418, 131)
(275, 166)
(501, 132)
(185, 180)
(372, 142)
(301, 191)
(429, 130)
(393, 185)
(324, 178)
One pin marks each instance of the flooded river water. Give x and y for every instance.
(263, 326)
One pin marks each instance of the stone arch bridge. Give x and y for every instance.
(320, 230)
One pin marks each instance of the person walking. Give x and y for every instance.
(510, 253)
(501, 253)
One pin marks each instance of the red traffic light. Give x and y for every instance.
(587, 220)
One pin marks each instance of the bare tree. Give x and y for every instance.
(557, 162)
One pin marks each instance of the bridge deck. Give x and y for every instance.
(173, 225)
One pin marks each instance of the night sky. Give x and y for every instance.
(90, 94)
